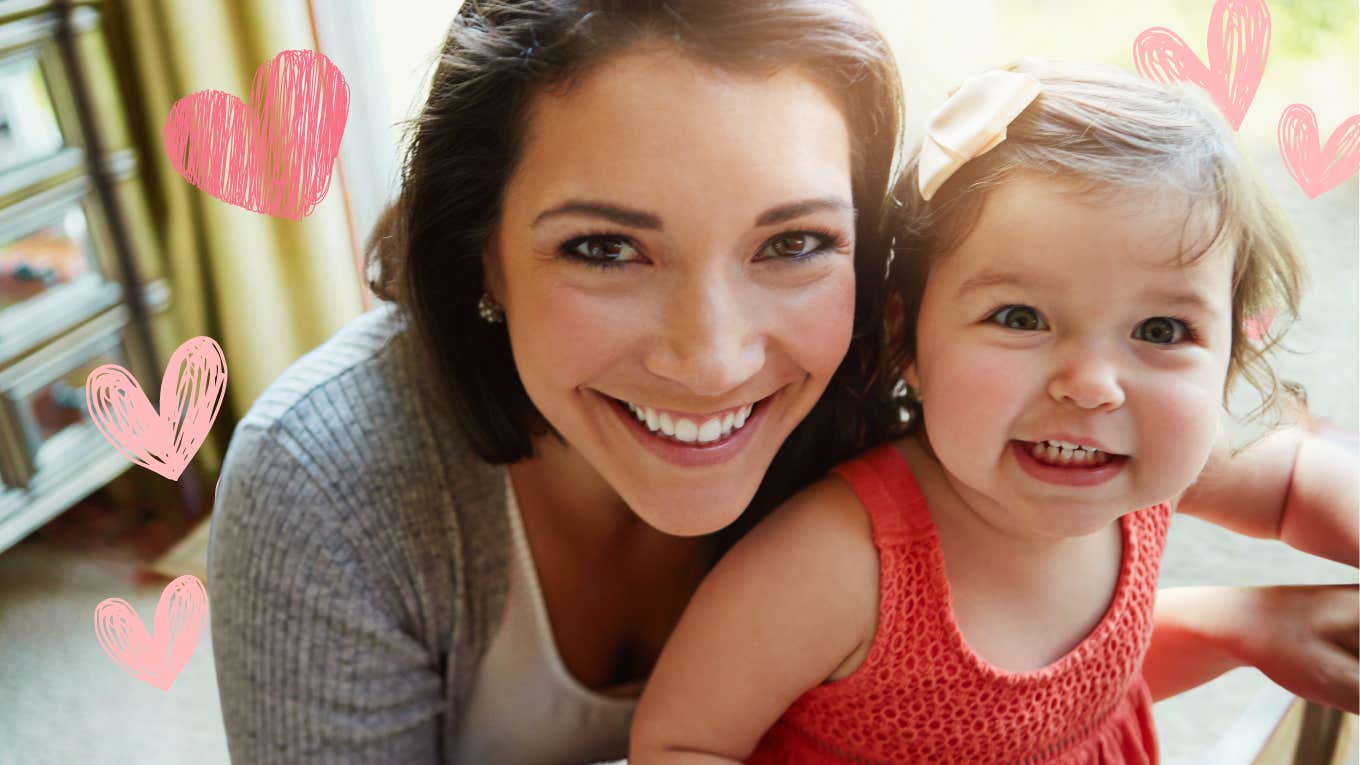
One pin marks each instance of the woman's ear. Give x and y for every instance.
(913, 379)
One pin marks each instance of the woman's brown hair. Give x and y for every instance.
(426, 252)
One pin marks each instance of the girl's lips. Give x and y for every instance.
(696, 454)
(1067, 475)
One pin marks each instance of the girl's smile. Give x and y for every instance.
(1067, 467)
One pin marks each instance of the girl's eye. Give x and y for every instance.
(1162, 330)
(604, 251)
(1020, 317)
(797, 245)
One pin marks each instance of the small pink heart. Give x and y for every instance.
(1239, 39)
(192, 390)
(1318, 172)
(159, 658)
(273, 155)
(1256, 327)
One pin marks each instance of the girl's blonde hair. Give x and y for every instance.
(1101, 130)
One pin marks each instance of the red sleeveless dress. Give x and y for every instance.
(922, 696)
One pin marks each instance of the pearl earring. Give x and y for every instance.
(489, 310)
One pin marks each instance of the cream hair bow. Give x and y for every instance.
(970, 123)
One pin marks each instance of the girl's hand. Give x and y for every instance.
(1304, 638)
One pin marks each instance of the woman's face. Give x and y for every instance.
(675, 259)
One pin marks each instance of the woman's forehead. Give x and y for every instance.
(660, 126)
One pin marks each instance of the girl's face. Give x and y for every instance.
(1070, 319)
(675, 259)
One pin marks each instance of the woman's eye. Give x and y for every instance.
(795, 246)
(1162, 330)
(1019, 317)
(602, 250)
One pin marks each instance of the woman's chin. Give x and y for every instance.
(692, 516)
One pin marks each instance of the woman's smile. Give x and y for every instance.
(687, 439)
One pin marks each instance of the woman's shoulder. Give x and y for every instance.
(364, 372)
(352, 438)
(360, 404)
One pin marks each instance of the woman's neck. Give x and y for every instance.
(571, 500)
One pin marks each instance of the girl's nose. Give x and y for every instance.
(1089, 380)
(709, 339)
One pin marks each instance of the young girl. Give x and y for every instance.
(1083, 249)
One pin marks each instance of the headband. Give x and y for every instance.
(970, 123)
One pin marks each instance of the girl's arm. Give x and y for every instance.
(1302, 637)
(778, 615)
(1292, 485)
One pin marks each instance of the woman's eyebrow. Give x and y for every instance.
(634, 218)
(791, 210)
(624, 216)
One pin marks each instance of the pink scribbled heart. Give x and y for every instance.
(192, 389)
(1257, 327)
(156, 659)
(273, 155)
(1239, 39)
(1316, 171)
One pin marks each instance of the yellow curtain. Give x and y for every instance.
(267, 289)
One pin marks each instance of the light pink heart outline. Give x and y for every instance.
(1318, 171)
(192, 389)
(156, 659)
(274, 154)
(1239, 43)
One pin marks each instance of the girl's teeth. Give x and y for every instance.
(1063, 453)
(687, 430)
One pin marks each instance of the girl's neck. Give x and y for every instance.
(960, 525)
(1015, 599)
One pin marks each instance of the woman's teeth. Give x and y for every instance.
(689, 431)
(1063, 453)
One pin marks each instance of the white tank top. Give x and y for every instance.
(526, 708)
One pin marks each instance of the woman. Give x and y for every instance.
(626, 259)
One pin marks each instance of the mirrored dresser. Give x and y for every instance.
(81, 277)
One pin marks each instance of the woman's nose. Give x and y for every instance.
(1089, 379)
(709, 339)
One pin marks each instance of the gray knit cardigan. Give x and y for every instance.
(357, 559)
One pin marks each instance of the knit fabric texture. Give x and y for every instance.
(922, 695)
(357, 559)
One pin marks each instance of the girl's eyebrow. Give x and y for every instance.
(1188, 299)
(635, 218)
(990, 279)
(1192, 300)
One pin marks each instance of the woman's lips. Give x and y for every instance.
(696, 454)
